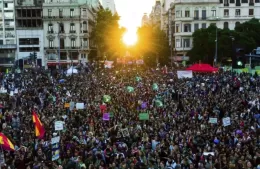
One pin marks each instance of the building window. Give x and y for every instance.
(186, 43)
(196, 26)
(178, 43)
(61, 28)
(73, 43)
(196, 14)
(226, 3)
(226, 12)
(225, 25)
(71, 12)
(251, 12)
(177, 28)
(178, 14)
(85, 27)
(72, 28)
(187, 13)
(29, 49)
(49, 12)
(203, 25)
(187, 27)
(29, 41)
(50, 28)
(204, 14)
(51, 43)
(213, 12)
(62, 43)
(60, 13)
(237, 12)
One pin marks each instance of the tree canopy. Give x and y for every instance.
(245, 35)
(153, 44)
(107, 33)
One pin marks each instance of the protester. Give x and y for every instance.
(187, 124)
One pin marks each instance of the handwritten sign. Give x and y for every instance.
(226, 121)
(58, 125)
(213, 120)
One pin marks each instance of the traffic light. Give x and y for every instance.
(238, 59)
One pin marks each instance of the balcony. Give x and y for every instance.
(9, 35)
(213, 18)
(63, 18)
(72, 31)
(9, 46)
(183, 34)
(183, 48)
(50, 32)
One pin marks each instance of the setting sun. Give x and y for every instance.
(130, 38)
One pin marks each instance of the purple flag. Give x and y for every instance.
(106, 116)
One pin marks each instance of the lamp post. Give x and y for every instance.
(216, 48)
(59, 44)
(232, 41)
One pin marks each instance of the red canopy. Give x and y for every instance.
(202, 68)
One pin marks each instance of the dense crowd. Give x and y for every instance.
(177, 135)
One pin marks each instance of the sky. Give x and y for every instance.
(132, 11)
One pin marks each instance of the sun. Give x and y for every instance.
(130, 38)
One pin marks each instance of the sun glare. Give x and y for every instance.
(130, 38)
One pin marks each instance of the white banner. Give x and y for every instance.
(184, 74)
(58, 125)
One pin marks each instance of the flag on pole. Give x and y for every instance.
(6, 143)
(39, 129)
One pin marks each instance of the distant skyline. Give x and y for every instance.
(132, 11)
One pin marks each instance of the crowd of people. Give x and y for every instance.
(184, 129)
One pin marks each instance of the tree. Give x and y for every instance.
(245, 35)
(107, 33)
(153, 44)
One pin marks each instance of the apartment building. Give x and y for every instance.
(7, 34)
(109, 4)
(145, 20)
(29, 31)
(155, 15)
(191, 15)
(66, 28)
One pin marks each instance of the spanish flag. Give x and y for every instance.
(6, 143)
(39, 129)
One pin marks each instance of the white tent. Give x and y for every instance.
(71, 71)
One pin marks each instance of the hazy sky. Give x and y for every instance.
(131, 12)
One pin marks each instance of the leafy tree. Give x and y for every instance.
(153, 45)
(245, 35)
(107, 33)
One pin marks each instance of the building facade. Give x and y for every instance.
(192, 15)
(66, 32)
(7, 34)
(145, 20)
(109, 4)
(29, 31)
(155, 15)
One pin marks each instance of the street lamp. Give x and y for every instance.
(216, 41)
(59, 44)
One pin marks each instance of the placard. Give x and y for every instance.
(79, 106)
(143, 116)
(55, 148)
(226, 121)
(106, 116)
(213, 120)
(125, 132)
(58, 125)
(184, 74)
(67, 105)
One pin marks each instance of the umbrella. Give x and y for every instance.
(130, 89)
(106, 98)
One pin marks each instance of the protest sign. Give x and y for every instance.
(55, 148)
(58, 125)
(67, 105)
(213, 120)
(143, 116)
(79, 106)
(184, 74)
(226, 121)
(106, 116)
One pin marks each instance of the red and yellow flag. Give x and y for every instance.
(6, 143)
(39, 129)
